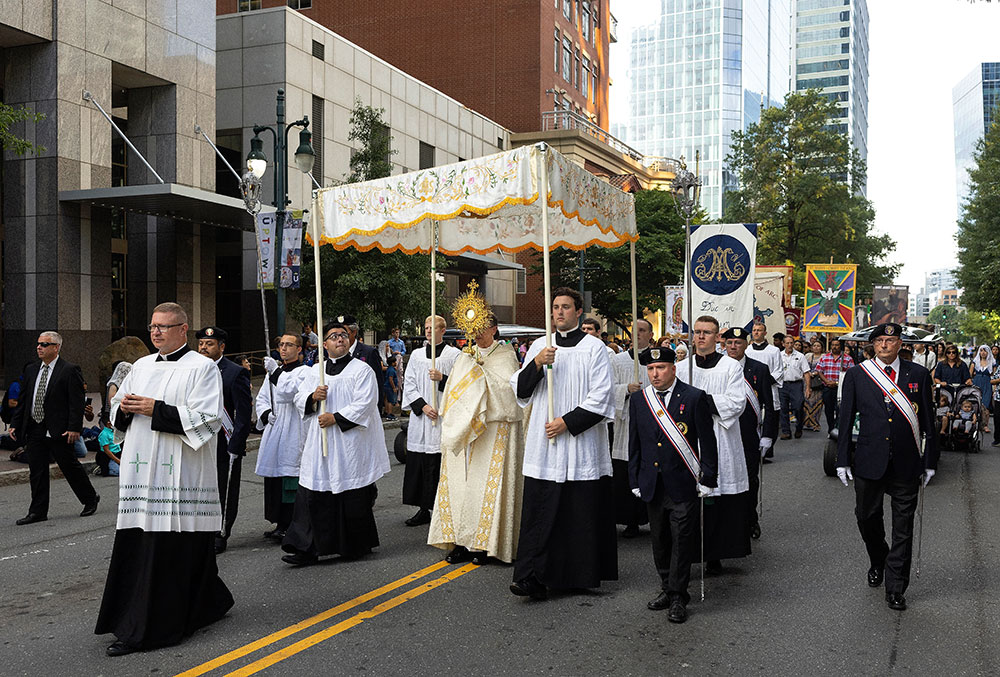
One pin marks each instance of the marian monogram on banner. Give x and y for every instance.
(722, 265)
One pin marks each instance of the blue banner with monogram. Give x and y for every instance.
(723, 258)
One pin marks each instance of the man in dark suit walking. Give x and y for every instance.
(232, 444)
(893, 398)
(48, 420)
(759, 420)
(673, 460)
(365, 353)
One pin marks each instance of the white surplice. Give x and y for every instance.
(355, 458)
(169, 482)
(623, 368)
(423, 435)
(724, 384)
(281, 443)
(770, 356)
(582, 378)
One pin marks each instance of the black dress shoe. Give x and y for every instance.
(458, 555)
(275, 534)
(423, 516)
(631, 531)
(713, 567)
(678, 612)
(661, 602)
(90, 508)
(220, 545)
(875, 577)
(896, 601)
(755, 532)
(798, 434)
(120, 649)
(530, 587)
(299, 559)
(479, 558)
(30, 518)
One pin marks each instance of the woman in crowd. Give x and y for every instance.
(952, 369)
(981, 369)
(814, 403)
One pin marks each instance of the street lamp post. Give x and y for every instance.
(257, 165)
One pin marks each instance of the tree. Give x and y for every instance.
(659, 255)
(948, 320)
(978, 236)
(802, 181)
(381, 290)
(10, 116)
(980, 327)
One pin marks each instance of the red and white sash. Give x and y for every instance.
(893, 393)
(673, 433)
(755, 405)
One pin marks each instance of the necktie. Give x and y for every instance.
(891, 373)
(38, 410)
(662, 395)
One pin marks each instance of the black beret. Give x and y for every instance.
(736, 333)
(219, 335)
(346, 320)
(887, 329)
(655, 355)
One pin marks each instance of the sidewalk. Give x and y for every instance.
(12, 472)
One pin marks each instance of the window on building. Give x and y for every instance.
(319, 50)
(576, 70)
(585, 79)
(300, 4)
(558, 43)
(426, 155)
(567, 60)
(316, 123)
(522, 281)
(568, 9)
(585, 21)
(247, 5)
(594, 77)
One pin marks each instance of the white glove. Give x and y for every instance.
(765, 444)
(928, 474)
(844, 473)
(637, 493)
(704, 491)
(270, 364)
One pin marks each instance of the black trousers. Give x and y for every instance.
(674, 528)
(870, 495)
(830, 407)
(229, 469)
(996, 422)
(753, 476)
(40, 450)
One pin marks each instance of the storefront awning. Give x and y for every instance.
(169, 200)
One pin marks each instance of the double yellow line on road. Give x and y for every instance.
(333, 630)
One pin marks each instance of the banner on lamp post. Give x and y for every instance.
(265, 233)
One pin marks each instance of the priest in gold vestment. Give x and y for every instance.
(477, 510)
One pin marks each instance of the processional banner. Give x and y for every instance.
(830, 290)
(722, 272)
(673, 310)
(889, 303)
(767, 305)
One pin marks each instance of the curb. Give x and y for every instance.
(22, 475)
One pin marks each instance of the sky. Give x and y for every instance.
(918, 51)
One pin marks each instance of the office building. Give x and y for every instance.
(974, 102)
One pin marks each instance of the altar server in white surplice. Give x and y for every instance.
(163, 582)
(727, 526)
(333, 505)
(423, 433)
(281, 444)
(629, 510)
(567, 515)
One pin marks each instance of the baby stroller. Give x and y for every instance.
(958, 433)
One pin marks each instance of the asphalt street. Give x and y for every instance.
(798, 605)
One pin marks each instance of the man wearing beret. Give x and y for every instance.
(896, 451)
(672, 462)
(232, 445)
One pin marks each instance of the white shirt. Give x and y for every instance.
(894, 364)
(794, 366)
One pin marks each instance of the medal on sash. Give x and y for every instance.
(673, 430)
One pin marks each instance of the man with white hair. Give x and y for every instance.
(48, 419)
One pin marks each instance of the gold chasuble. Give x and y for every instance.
(478, 502)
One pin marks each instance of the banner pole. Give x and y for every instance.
(321, 359)
(635, 317)
(543, 201)
(433, 245)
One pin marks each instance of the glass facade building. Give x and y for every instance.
(974, 101)
(700, 69)
(831, 54)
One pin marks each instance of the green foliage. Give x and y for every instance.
(373, 160)
(978, 237)
(381, 290)
(948, 320)
(10, 116)
(659, 257)
(801, 181)
(978, 327)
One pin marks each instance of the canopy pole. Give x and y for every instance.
(543, 200)
(635, 317)
(434, 391)
(319, 318)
